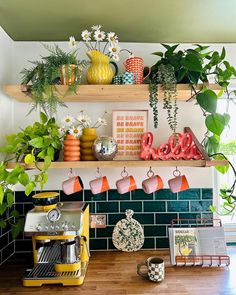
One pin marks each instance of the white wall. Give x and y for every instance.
(6, 104)
(189, 114)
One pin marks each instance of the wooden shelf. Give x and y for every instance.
(138, 163)
(106, 93)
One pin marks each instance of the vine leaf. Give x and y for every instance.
(192, 63)
(222, 169)
(212, 145)
(207, 100)
(216, 122)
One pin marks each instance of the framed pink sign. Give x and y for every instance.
(128, 126)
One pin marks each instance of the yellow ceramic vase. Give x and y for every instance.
(86, 144)
(100, 71)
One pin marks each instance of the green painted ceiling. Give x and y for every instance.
(133, 20)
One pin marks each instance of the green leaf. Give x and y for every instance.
(222, 56)
(1, 194)
(7, 149)
(3, 224)
(29, 159)
(15, 213)
(3, 208)
(213, 208)
(10, 199)
(17, 228)
(37, 142)
(207, 100)
(29, 188)
(158, 53)
(212, 145)
(216, 123)
(47, 163)
(50, 152)
(43, 118)
(222, 169)
(192, 63)
(23, 178)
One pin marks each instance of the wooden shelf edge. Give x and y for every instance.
(106, 93)
(117, 164)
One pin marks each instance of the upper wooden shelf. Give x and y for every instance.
(107, 93)
(138, 163)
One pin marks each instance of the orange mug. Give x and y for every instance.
(152, 184)
(178, 184)
(126, 184)
(99, 185)
(72, 185)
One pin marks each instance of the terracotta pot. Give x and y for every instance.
(71, 148)
(87, 139)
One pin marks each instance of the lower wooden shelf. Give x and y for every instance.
(138, 163)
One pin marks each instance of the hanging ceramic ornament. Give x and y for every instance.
(128, 233)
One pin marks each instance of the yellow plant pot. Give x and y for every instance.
(87, 139)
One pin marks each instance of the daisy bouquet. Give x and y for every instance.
(75, 125)
(97, 39)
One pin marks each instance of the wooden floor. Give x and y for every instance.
(115, 273)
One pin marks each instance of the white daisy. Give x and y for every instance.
(86, 35)
(68, 120)
(96, 27)
(114, 50)
(72, 42)
(84, 119)
(75, 131)
(102, 121)
(99, 35)
(112, 37)
(115, 57)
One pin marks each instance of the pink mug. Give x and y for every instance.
(99, 185)
(126, 184)
(72, 185)
(136, 66)
(152, 184)
(178, 184)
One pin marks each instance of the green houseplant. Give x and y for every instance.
(59, 67)
(36, 144)
(194, 66)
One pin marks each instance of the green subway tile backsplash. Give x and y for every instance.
(154, 206)
(135, 206)
(154, 212)
(140, 195)
(190, 194)
(165, 194)
(177, 206)
(207, 193)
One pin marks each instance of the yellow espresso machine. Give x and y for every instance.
(60, 237)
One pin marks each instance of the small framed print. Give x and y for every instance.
(128, 126)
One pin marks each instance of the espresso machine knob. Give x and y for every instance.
(38, 227)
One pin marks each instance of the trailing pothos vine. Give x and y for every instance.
(194, 66)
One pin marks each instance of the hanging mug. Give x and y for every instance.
(72, 185)
(179, 183)
(152, 183)
(136, 66)
(99, 184)
(126, 183)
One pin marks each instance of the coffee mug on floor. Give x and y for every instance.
(152, 184)
(126, 184)
(99, 185)
(72, 185)
(178, 184)
(155, 269)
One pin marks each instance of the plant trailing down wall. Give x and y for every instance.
(58, 67)
(36, 144)
(194, 66)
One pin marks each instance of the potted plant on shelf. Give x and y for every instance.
(83, 125)
(59, 67)
(193, 66)
(37, 144)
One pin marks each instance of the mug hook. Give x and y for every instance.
(98, 173)
(71, 174)
(176, 172)
(124, 173)
(150, 172)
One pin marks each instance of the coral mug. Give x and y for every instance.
(136, 66)
(72, 185)
(152, 183)
(99, 185)
(179, 183)
(126, 183)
